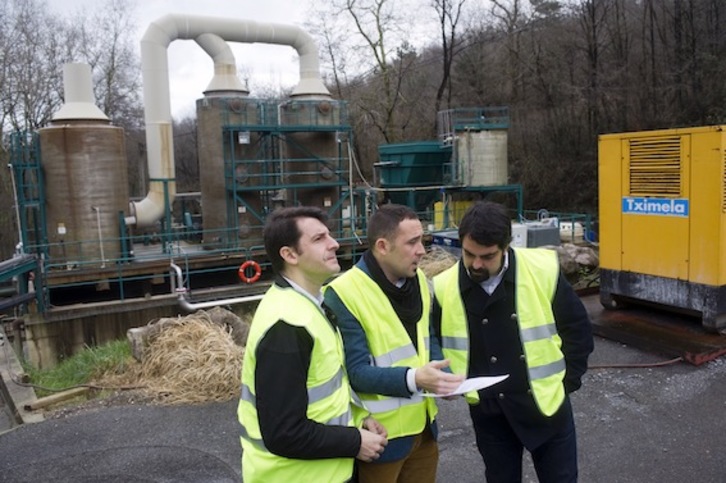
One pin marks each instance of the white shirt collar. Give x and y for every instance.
(491, 284)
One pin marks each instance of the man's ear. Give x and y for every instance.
(381, 245)
(289, 255)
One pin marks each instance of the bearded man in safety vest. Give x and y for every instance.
(501, 311)
(296, 414)
(382, 307)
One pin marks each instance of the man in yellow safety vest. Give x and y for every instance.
(297, 419)
(382, 308)
(502, 311)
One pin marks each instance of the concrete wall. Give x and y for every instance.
(66, 330)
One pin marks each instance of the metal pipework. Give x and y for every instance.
(100, 234)
(177, 284)
(157, 102)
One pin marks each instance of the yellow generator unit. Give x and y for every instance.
(663, 220)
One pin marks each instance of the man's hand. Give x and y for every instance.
(432, 379)
(371, 445)
(374, 426)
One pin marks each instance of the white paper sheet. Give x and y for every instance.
(473, 384)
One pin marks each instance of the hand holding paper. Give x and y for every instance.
(473, 384)
(430, 377)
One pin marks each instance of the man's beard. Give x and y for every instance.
(478, 276)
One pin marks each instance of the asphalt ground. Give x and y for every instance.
(657, 424)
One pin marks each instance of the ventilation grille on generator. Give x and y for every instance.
(655, 166)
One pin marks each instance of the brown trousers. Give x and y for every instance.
(418, 467)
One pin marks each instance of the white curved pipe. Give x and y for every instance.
(192, 306)
(225, 80)
(157, 101)
(179, 288)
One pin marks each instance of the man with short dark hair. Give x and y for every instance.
(382, 308)
(297, 421)
(501, 311)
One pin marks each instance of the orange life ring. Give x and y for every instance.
(243, 271)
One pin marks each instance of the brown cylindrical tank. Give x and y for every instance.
(86, 186)
(231, 165)
(313, 155)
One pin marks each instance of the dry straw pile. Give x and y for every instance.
(436, 261)
(190, 359)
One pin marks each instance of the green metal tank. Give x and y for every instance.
(422, 164)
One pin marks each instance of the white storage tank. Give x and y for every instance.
(482, 157)
(479, 137)
(572, 232)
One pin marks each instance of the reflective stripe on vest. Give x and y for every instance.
(325, 389)
(536, 282)
(315, 394)
(328, 390)
(390, 346)
(455, 343)
(395, 356)
(454, 325)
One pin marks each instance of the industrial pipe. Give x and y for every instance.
(157, 102)
(181, 291)
(225, 80)
(100, 234)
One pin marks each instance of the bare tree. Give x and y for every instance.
(618, 57)
(449, 15)
(329, 29)
(34, 54)
(375, 21)
(512, 20)
(104, 41)
(185, 154)
(592, 16)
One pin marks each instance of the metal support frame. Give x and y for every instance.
(272, 180)
(29, 190)
(28, 174)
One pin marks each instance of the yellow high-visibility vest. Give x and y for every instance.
(329, 392)
(390, 346)
(536, 282)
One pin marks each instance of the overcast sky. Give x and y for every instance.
(191, 69)
(267, 66)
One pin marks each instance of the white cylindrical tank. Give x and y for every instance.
(482, 157)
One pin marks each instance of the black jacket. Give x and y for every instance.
(283, 359)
